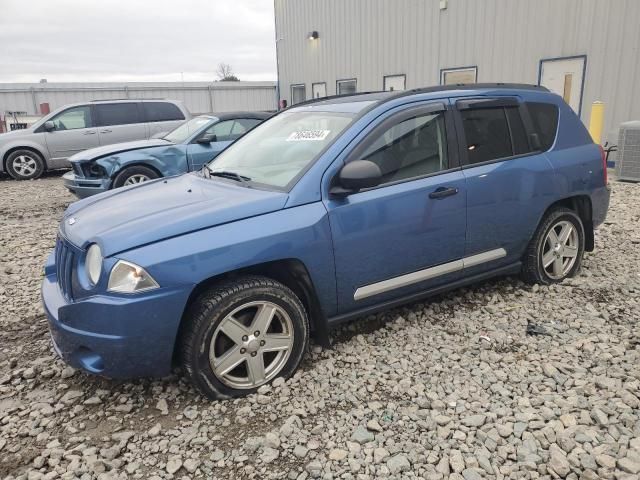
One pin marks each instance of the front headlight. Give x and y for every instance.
(93, 263)
(127, 277)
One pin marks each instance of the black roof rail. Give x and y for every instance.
(436, 88)
(474, 86)
(332, 97)
(124, 99)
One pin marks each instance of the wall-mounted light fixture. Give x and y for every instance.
(313, 35)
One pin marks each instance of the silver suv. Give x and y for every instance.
(47, 144)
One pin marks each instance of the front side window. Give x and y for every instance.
(110, 114)
(186, 130)
(243, 125)
(221, 130)
(277, 151)
(73, 118)
(493, 133)
(411, 148)
(161, 112)
(346, 87)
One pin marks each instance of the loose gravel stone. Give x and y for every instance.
(415, 392)
(362, 435)
(398, 463)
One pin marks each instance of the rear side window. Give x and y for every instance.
(544, 117)
(117, 114)
(494, 133)
(161, 112)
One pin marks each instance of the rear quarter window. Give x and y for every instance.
(544, 117)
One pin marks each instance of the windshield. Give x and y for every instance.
(187, 129)
(277, 151)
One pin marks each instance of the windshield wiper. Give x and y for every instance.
(232, 175)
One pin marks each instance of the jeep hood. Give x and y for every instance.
(126, 218)
(106, 150)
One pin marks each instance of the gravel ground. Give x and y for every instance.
(453, 388)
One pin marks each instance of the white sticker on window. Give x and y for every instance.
(308, 136)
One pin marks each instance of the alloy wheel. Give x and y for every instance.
(560, 250)
(25, 165)
(135, 179)
(251, 345)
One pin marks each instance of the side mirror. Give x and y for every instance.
(207, 139)
(356, 175)
(49, 126)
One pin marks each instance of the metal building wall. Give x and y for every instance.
(198, 97)
(505, 39)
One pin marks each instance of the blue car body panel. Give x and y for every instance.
(186, 230)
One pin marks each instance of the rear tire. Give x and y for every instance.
(556, 249)
(134, 175)
(242, 334)
(25, 165)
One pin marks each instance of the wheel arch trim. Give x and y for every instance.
(291, 272)
(15, 148)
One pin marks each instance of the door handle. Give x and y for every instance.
(105, 131)
(90, 132)
(442, 192)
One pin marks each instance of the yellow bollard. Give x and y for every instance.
(596, 121)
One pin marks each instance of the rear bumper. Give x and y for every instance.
(115, 336)
(85, 187)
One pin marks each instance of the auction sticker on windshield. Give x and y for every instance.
(308, 136)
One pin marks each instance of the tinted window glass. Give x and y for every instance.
(222, 131)
(518, 133)
(243, 125)
(161, 112)
(487, 134)
(73, 118)
(544, 117)
(410, 148)
(117, 114)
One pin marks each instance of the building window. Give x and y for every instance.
(452, 76)
(298, 94)
(394, 83)
(319, 90)
(346, 87)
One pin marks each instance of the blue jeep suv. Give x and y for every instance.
(330, 210)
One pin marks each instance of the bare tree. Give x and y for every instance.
(225, 73)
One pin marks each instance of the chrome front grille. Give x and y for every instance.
(65, 261)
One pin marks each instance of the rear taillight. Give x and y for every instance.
(604, 165)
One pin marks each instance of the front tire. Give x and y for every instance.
(243, 334)
(556, 249)
(25, 165)
(134, 175)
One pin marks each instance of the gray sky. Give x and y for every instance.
(135, 40)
